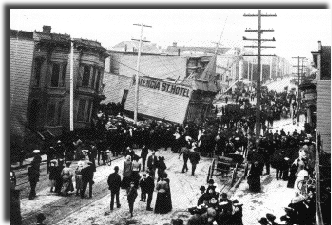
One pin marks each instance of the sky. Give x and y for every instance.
(296, 30)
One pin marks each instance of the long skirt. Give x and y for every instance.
(125, 182)
(67, 186)
(79, 182)
(163, 203)
(254, 183)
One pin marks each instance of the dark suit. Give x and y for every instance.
(152, 164)
(114, 184)
(194, 158)
(149, 187)
(87, 177)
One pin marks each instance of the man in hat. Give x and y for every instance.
(144, 154)
(33, 177)
(149, 188)
(114, 184)
(37, 156)
(185, 152)
(263, 221)
(203, 219)
(87, 177)
(226, 207)
(129, 151)
(40, 219)
(92, 154)
(194, 158)
(152, 163)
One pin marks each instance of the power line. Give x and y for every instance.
(259, 31)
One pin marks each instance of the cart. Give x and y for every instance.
(227, 166)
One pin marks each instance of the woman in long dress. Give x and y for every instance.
(127, 171)
(254, 177)
(161, 202)
(169, 197)
(78, 178)
(67, 183)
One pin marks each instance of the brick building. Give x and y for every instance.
(174, 88)
(39, 85)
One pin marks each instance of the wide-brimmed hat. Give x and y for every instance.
(89, 163)
(58, 142)
(36, 151)
(263, 221)
(270, 217)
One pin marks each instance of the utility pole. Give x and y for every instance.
(298, 86)
(259, 31)
(71, 87)
(137, 69)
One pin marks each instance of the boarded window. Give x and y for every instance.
(59, 113)
(93, 77)
(81, 109)
(98, 81)
(55, 75)
(86, 76)
(50, 114)
(38, 66)
(88, 111)
(63, 78)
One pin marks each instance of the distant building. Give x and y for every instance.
(173, 88)
(132, 46)
(39, 81)
(178, 50)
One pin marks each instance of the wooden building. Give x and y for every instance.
(322, 60)
(40, 73)
(173, 88)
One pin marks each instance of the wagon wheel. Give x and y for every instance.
(208, 175)
(234, 174)
(213, 166)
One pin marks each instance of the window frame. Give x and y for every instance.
(38, 60)
(86, 76)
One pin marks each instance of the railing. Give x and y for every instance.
(319, 217)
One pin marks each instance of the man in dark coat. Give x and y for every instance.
(185, 152)
(144, 153)
(114, 184)
(33, 175)
(93, 152)
(149, 187)
(194, 158)
(152, 163)
(87, 177)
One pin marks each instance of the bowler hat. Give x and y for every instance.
(40, 217)
(263, 221)
(270, 217)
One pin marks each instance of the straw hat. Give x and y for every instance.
(36, 151)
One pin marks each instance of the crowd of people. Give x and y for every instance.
(292, 155)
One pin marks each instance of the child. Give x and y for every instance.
(52, 175)
(131, 197)
(142, 184)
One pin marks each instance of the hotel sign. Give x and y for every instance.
(164, 86)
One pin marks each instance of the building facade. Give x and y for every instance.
(167, 86)
(46, 80)
(322, 61)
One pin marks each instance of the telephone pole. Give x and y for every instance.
(259, 31)
(298, 86)
(138, 67)
(71, 87)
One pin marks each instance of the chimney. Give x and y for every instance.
(47, 29)
(175, 44)
(319, 45)
(125, 48)
(179, 52)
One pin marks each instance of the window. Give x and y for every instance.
(84, 110)
(60, 106)
(93, 77)
(50, 114)
(38, 66)
(81, 108)
(98, 81)
(63, 78)
(55, 75)
(88, 111)
(86, 76)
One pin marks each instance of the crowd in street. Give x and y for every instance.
(292, 155)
